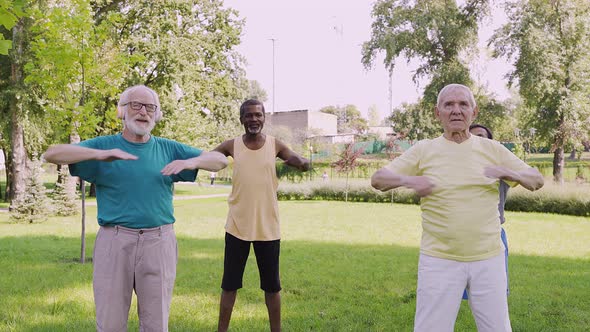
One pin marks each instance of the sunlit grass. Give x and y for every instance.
(344, 267)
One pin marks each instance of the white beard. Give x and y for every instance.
(136, 129)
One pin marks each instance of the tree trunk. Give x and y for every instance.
(17, 155)
(346, 189)
(7, 176)
(558, 163)
(572, 155)
(17, 145)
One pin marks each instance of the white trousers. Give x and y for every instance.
(440, 288)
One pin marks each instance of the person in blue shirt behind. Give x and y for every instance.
(134, 172)
(483, 131)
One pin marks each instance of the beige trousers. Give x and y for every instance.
(128, 259)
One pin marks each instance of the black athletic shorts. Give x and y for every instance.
(234, 263)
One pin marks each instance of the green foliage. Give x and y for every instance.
(289, 173)
(495, 115)
(34, 204)
(549, 42)
(550, 200)
(558, 202)
(349, 118)
(434, 33)
(65, 198)
(10, 12)
(73, 69)
(414, 122)
(337, 191)
(255, 91)
(374, 117)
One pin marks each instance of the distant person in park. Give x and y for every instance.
(483, 131)
(135, 247)
(212, 176)
(325, 176)
(457, 175)
(253, 216)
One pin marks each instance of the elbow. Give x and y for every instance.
(220, 163)
(223, 162)
(540, 183)
(536, 184)
(50, 156)
(305, 166)
(377, 183)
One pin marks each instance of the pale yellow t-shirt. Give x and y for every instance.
(460, 217)
(253, 207)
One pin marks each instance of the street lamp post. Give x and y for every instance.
(274, 92)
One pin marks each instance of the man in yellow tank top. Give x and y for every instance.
(253, 212)
(457, 177)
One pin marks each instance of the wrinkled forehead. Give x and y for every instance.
(455, 93)
(253, 109)
(141, 94)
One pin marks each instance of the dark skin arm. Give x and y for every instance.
(226, 148)
(291, 158)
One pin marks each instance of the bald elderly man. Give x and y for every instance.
(457, 176)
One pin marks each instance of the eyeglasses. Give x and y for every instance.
(136, 106)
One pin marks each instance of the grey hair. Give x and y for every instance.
(455, 86)
(124, 98)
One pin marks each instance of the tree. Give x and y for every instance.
(434, 32)
(15, 106)
(255, 91)
(185, 50)
(496, 115)
(349, 119)
(414, 122)
(347, 163)
(374, 117)
(65, 200)
(549, 42)
(10, 12)
(33, 205)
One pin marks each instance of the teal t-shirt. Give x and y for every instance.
(133, 193)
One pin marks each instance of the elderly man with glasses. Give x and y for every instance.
(135, 247)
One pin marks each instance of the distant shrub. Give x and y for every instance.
(65, 197)
(570, 199)
(34, 204)
(336, 191)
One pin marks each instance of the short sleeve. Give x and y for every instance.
(509, 159)
(183, 152)
(408, 162)
(88, 169)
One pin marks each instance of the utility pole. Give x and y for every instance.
(274, 91)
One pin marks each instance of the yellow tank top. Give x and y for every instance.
(253, 208)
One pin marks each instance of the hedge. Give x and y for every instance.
(548, 201)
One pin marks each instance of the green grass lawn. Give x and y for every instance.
(344, 267)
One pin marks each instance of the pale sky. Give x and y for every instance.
(318, 56)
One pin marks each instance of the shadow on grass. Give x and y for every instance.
(326, 287)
